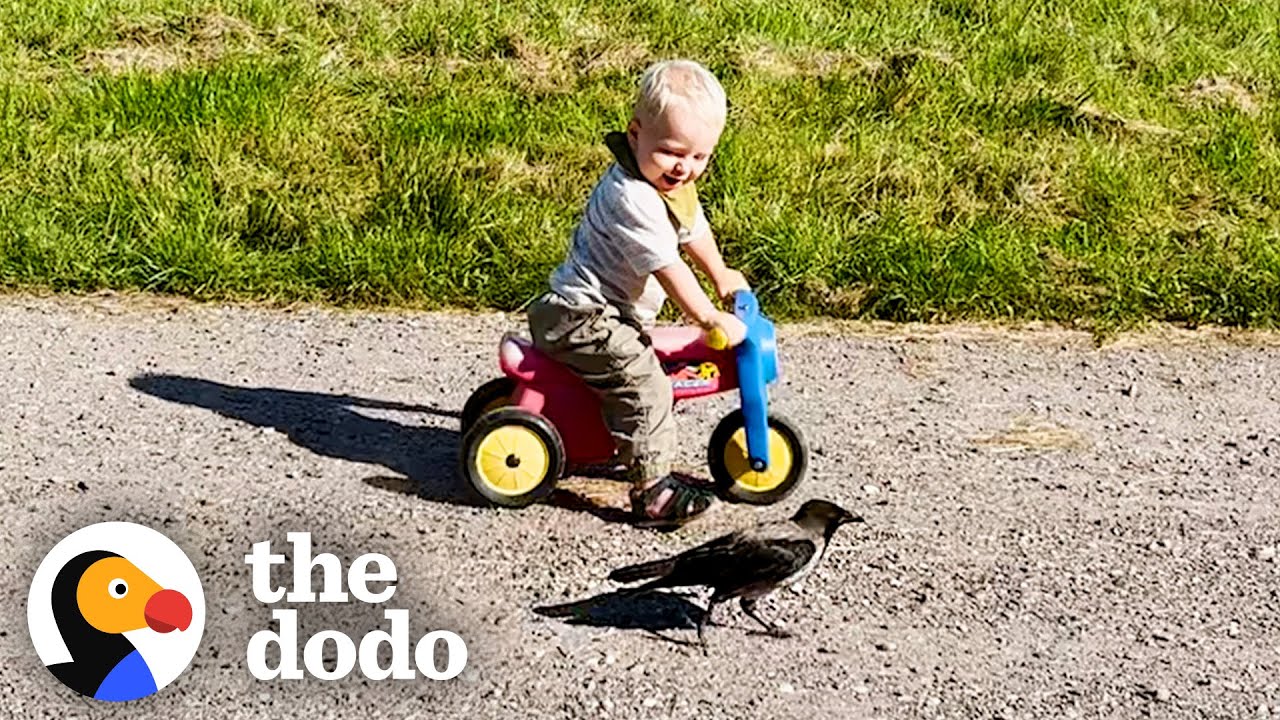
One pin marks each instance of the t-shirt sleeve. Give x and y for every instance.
(643, 232)
(701, 226)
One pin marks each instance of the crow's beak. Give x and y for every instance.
(851, 518)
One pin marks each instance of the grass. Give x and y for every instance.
(1102, 162)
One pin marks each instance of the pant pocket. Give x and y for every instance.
(564, 327)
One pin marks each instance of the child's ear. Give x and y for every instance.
(633, 129)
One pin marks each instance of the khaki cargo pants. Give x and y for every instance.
(613, 354)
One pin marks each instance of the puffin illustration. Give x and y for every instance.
(97, 597)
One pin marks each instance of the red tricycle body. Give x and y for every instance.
(546, 387)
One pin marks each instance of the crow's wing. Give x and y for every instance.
(731, 563)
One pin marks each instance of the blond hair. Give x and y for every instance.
(680, 81)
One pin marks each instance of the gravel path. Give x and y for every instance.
(1054, 529)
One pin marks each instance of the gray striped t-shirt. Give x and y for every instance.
(625, 236)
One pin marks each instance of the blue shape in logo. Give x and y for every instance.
(130, 679)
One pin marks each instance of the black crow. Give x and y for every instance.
(747, 564)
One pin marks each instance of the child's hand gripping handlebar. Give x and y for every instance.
(720, 338)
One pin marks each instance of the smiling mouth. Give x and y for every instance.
(670, 180)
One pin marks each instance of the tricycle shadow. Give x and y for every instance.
(332, 425)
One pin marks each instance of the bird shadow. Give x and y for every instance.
(336, 426)
(650, 610)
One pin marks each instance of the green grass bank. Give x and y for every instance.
(1100, 161)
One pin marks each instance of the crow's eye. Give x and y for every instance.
(118, 588)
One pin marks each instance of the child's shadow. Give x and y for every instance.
(332, 425)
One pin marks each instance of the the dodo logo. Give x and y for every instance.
(116, 611)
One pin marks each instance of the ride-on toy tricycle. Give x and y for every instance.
(521, 431)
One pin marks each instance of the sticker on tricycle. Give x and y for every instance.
(690, 376)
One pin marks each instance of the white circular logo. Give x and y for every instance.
(116, 611)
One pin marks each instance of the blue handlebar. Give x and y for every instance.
(757, 369)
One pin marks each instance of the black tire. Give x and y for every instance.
(729, 487)
(478, 449)
(490, 396)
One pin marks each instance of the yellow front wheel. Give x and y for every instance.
(731, 469)
(512, 457)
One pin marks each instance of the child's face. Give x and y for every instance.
(673, 149)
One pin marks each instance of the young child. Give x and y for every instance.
(625, 260)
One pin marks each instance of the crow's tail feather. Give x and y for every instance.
(642, 571)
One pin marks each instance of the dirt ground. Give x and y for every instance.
(1054, 528)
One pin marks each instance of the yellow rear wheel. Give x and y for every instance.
(731, 468)
(512, 457)
(492, 395)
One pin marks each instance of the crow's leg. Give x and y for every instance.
(748, 606)
(716, 599)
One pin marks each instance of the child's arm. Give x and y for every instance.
(682, 285)
(706, 255)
